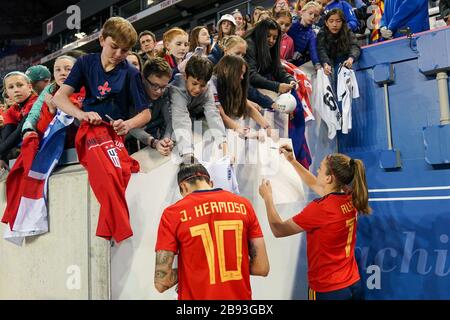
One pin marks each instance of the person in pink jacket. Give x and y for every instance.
(284, 19)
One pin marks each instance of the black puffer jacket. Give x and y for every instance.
(260, 78)
(328, 52)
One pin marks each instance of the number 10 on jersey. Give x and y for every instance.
(220, 227)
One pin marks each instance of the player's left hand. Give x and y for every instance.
(265, 189)
(121, 127)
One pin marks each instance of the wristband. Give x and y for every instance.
(153, 143)
(27, 130)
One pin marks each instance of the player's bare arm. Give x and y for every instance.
(304, 174)
(279, 227)
(165, 276)
(259, 262)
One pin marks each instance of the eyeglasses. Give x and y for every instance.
(156, 87)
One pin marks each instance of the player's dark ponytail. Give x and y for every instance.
(192, 172)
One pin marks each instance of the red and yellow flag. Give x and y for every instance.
(377, 8)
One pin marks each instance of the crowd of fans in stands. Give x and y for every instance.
(187, 76)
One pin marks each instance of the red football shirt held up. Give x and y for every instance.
(330, 225)
(102, 152)
(210, 230)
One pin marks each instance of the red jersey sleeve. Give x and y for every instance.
(311, 217)
(167, 233)
(254, 229)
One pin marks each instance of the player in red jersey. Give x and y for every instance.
(217, 238)
(330, 224)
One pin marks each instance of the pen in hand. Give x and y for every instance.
(288, 149)
(109, 118)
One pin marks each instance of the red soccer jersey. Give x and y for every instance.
(102, 152)
(330, 225)
(15, 113)
(210, 230)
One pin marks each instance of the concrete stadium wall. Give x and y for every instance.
(69, 262)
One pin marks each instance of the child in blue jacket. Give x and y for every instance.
(305, 41)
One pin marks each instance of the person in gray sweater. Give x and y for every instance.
(158, 132)
(192, 99)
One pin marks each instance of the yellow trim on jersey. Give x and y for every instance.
(311, 294)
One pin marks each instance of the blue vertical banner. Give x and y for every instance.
(402, 249)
